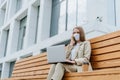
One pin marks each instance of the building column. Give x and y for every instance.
(13, 37)
(12, 8)
(45, 18)
(5, 70)
(6, 13)
(31, 26)
(1, 17)
(2, 43)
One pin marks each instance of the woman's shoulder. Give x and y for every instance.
(86, 42)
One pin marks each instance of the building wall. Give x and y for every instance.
(98, 17)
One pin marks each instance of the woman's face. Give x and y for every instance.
(76, 31)
(76, 35)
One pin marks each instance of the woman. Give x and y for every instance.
(78, 52)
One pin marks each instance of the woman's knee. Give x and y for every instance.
(59, 65)
(53, 65)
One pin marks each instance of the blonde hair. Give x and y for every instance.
(82, 34)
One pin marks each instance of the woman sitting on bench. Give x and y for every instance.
(78, 52)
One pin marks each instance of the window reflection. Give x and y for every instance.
(77, 13)
(58, 18)
(66, 14)
(71, 11)
(62, 18)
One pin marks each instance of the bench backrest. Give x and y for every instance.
(105, 55)
(106, 51)
(31, 67)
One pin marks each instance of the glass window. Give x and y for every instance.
(62, 17)
(54, 18)
(11, 68)
(58, 16)
(18, 5)
(66, 14)
(6, 43)
(0, 73)
(2, 15)
(71, 13)
(0, 35)
(0, 70)
(22, 31)
(38, 11)
(77, 13)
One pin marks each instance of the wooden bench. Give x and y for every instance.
(105, 61)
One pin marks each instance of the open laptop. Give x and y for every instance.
(56, 54)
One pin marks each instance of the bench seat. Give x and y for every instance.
(105, 60)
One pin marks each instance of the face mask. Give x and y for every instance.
(77, 36)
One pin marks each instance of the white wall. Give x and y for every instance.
(95, 8)
(118, 13)
(104, 9)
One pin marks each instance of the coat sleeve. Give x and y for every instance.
(87, 50)
(68, 50)
(86, 54)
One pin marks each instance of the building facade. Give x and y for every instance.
(28, 27)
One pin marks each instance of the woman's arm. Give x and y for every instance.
(69, 47)
(68, 50)
(87, 50)
(86, 54)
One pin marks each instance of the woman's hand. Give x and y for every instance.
(72, 42)
(69, 61)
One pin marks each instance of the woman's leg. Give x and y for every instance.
(51, 71)
(61, 68)
(70, 67)
(59, 72)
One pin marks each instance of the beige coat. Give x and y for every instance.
(82, 55)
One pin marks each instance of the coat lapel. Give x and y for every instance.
(76, 54)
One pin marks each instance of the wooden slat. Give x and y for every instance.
(104, 37)
(31, 61)
(107, 56)
(95, 72)
(22, 79)
(106, 43)
(32, 69)
(101, 73)
(30, 77)
(37, 63)
(98, 77)
(31, 65)
(31, 73)
(106, 64)
(106, 49)
(33, 57)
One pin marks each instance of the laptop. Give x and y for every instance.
(56, 54)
